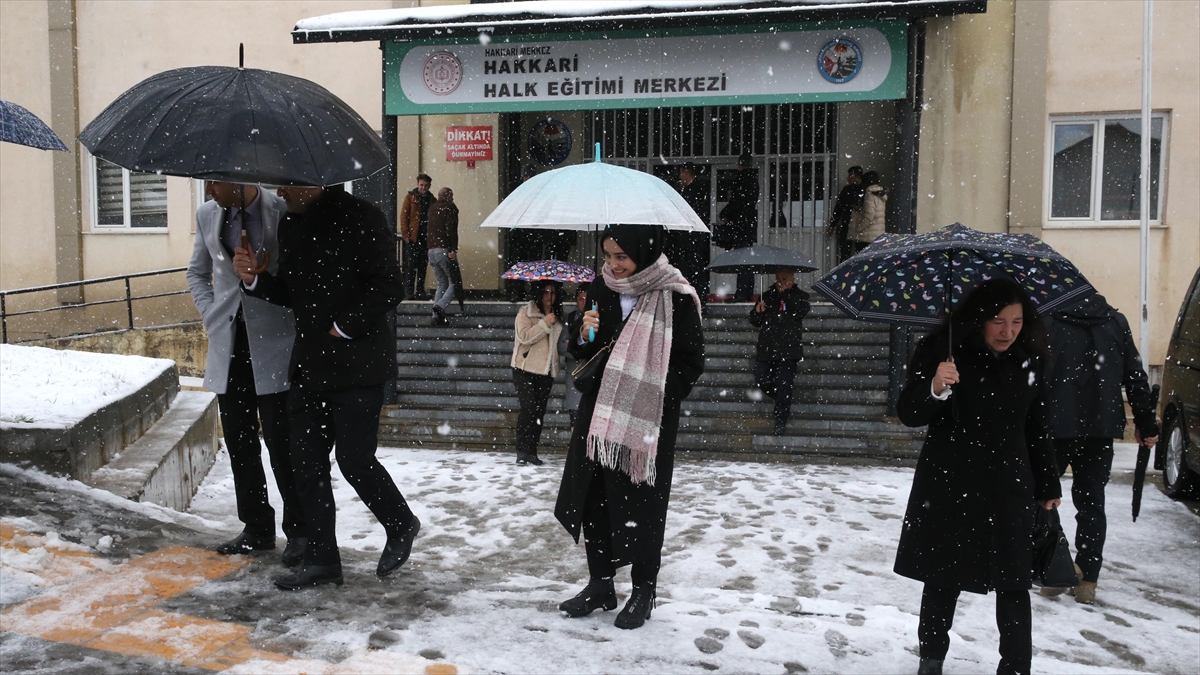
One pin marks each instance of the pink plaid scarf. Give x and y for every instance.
(629, 405)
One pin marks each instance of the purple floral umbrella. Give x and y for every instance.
(916, 279)
(550, 270)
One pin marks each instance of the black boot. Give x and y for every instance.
(637, 608)
(309, 576)
(293, 553)
(246, 543)
(930, 666)
(397, 549)
(598, 594)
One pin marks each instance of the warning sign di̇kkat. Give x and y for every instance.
(468, 144)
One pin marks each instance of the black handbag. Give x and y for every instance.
(1052, 564)
(587, 375)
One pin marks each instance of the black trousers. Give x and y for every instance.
(1091, 462)
(416, 263)
(533, 391)
(347, 421)
(1013, 618)
(241, 408)
(776, 379)
(597, 539)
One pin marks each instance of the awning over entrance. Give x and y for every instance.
(524, 18)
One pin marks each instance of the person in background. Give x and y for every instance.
(535, 364)
(249, 347)
(849, 200)
(521, 245)
(616, 483)
(869, 222)
(691, 251)
(414, 229)
(779, 316)
(443, 251)
(1093, 356)
(739, 220)
(571, 327)
(986, 464)
(338, 272)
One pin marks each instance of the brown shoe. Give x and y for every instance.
(1085, 593)
(1050, 592)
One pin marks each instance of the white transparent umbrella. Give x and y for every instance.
(591, 196)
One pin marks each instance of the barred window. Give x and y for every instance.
(126, 199)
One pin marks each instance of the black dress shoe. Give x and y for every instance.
(598, 594)
(637, 608)
(395, 553)
(246, 543)
(533, 459)
(930, 667)
(309, 576)
(293, 553)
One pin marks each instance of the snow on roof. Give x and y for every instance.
(551, 10)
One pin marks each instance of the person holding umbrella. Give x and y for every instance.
(1093, 357)
(779, 316)
(249, 347)
(535, 364)
(338, 272)
(616, 483)
(987, 463)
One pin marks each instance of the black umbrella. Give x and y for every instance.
(761, 259)
(1143, 459)
(917, 279)
(238, 125)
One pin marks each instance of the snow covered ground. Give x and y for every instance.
(54, 389)
(769, 568)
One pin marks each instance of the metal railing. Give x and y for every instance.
(128, 299)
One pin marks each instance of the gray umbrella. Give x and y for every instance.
(761, 259)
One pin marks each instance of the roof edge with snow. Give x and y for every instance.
(558, 16)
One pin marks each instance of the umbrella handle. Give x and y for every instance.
(266, 254)
(592, 331)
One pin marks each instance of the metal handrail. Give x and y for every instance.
(128, 299)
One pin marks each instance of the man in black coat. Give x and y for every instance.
(779, 317)
(690, 251)
(1093, 357)
(739, 220)
(849, 199)
(338, 273)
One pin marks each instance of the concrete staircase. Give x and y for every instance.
(455, 390)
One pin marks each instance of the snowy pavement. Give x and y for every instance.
(769, 568)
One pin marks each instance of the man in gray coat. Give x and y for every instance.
(249, 349)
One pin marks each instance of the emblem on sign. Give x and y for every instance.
(550, 142)
(840, 60)
(443, 73)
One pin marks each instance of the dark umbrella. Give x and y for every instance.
(456, 279)
(1143, 459)
(917, 279)
(238, 125)
(18, 125)
(761, 259)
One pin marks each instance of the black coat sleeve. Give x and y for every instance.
(917, 407)
(382, 288)
(272, 287)
(1137, 385)
(1041, 449)
(687, 346)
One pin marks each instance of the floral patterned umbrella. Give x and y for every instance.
(914, 279)
(552, 270)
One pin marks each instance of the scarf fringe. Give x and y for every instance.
(639, 466)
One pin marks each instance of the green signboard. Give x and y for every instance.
(743, 65)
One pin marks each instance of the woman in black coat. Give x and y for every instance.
(619, 503)
(986, 464)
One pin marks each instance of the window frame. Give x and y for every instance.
(1098, 122)
(126, 198)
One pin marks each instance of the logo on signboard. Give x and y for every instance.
(443, 73)
(840, 60)
(549, 142)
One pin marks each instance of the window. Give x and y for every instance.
(1095, 168)
(127, 200)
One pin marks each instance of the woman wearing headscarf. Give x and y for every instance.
(535, 364)
(617, 479)
(986, 465)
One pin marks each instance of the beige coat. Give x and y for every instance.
(869, 222)
(535, 347)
